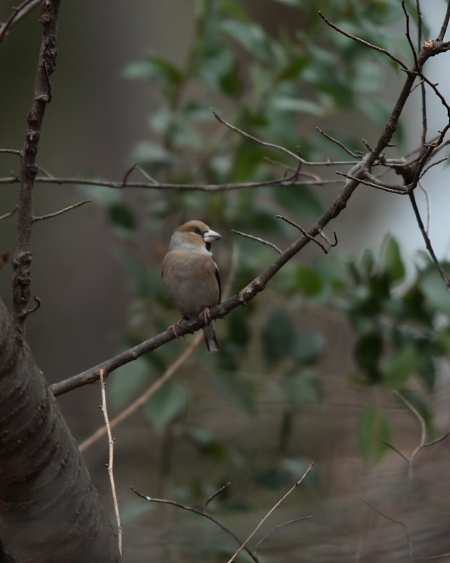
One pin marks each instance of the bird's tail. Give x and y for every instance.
(210, 337)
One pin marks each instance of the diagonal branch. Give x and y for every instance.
(354, 177)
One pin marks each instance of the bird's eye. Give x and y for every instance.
(198, 231)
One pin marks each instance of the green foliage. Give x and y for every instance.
(374, 432)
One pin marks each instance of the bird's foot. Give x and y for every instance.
(205, 314)
(176, 325)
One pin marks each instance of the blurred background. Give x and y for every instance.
(307, 372)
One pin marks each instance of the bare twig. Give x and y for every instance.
(427, 240)
(135, 166)
(271, 511)
(10, 213)
(11, 151)
(282, 181)
(217, 493)
(65, 210)
(278, 147)
(37, 302)
(423, 436)
(17, 14)
(110, 464)
(374, 183)
(257, 239)
(276, 528)
(338, 143)
(29, 169)
(394, 521)
(306, 234)
(199, 513)
(444, 26)
(365, 43)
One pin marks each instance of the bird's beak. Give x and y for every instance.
(211, 236)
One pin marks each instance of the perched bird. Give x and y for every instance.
(191, 276)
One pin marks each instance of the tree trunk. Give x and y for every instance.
(49, 508)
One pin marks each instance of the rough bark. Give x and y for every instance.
(49, 509)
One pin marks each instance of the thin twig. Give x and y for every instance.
(199, 513)
(10, 214)
(276, 528)
(11, 151)
(394, 521)
(394, 189)
(427, 240)
(396, 450)
(444, 27)
(365, 43)
(283, 181)
(17, 14)
(275, 507)
(135, 166)
(423, 437)
(61, 211)
(278, 147)
(110, 464)
(257, 239)
(217, 493)
(338, 143)
(428, 202)
(306, 234)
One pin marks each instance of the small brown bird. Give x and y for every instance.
(191, 276)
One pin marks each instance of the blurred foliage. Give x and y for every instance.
(273, 85)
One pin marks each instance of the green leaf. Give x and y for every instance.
(301, 388)
(166, 404)
(239, 390)
(373, 430)
(299, 201)
(367, 353)
(309, 346)
(308, 281)
(399, 366)
(294, 68)
(121, 215)
(250, 36)
(128, 381)
(297, 105)
(434, 288)
(393, 263)
(206, 443)
(154, 68)
(238, 327)
(278, 336)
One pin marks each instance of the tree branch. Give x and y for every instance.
(42, 96)
(354, 177)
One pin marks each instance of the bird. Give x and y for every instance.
(191, 276)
